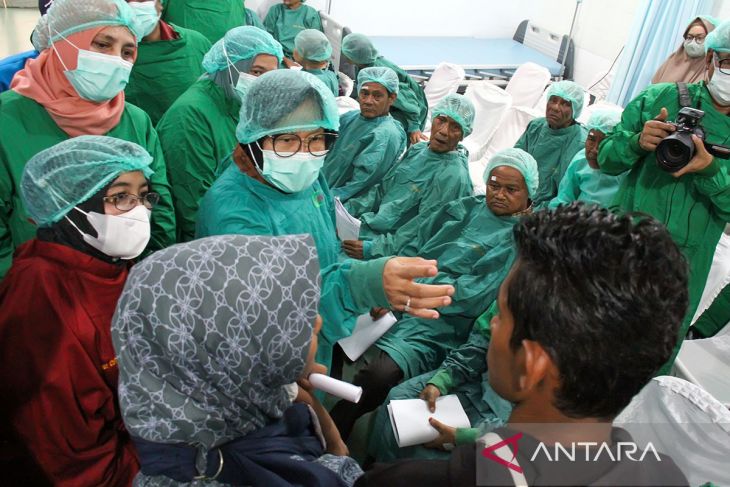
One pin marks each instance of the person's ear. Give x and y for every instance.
(391, 98)
(536, 365)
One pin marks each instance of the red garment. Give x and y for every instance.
(167, 33)
(58, 373)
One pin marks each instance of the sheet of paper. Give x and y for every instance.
(365, 333)
(348, 227)
(409, 418)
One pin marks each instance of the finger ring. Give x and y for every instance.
(408, 305)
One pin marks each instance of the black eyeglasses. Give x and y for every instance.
(127, 201)
(286, 145)
(722, 64)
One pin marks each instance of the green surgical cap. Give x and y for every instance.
(603, 119)
(313, 45)
(358, 49)
(59, 178)
(520, 160)
(383, 76)
(66, 17)
(719, 39)
(571, 91)
(284, 101)
(238, 44)
(458, 107)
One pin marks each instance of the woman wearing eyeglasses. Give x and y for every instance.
(91, 198)
(687, 63)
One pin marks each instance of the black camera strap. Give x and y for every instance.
(684, 99)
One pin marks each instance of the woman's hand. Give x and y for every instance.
(404, 294)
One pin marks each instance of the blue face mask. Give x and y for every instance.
(98, 77)
(145, 17)
(291, 174)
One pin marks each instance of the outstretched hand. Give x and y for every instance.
(404, 294)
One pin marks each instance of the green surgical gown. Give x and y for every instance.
(475, 250)
(416, 187)
(284, 24)
(716, 317)
(464, 373)
(695, 207)
(239, 204)
(553, 149)
(364, 152)
(212, 18)
(164, 70)
(27, 129)
(328, 77)
(583, 183)
(411, 106)
(197, 132)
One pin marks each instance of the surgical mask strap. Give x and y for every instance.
(53, 45)
(230, 63)
(253, 158)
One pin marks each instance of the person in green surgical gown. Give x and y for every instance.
(472, 241)
(287, 19)
(273, 186)
(169, 60)
(312, 50)
(370, 139)
(199, 129)
(584, 181)
(556, 138)
(411, 107)
(212, 18)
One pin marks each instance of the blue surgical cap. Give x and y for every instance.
(383, 76)
(459, 108)
(240, 43)
(313, 45)
(59, 178)
(358, 49)
(520, 160)
(604, 119)
(570, 91)
(284, 101)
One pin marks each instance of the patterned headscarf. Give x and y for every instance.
(208, 332)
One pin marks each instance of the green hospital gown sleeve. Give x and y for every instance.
(163, 214)
(569, 188)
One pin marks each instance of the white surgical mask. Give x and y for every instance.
(244, 80)
(122, 236)
(145, 17)
(719, 87)
(291, 174)
(98, 77)
(694, 48)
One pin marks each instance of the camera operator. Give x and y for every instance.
(694, 201)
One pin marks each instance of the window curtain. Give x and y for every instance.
(656, 33)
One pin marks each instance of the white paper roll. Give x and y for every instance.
(337, 388)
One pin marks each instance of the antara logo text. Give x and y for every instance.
(582, 450)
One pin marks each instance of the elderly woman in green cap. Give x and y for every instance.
(411, 107)
(91, 199)
(199, 129)
(471, 239)
(429, 176)
(370, 139)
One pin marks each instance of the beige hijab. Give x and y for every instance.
(679, 66)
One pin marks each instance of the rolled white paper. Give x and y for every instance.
(337, 388)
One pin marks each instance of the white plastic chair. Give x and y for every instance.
(346, 104)
(509, 131)
(491, 104)
(334, 32)
(346, 83)
(683, 421)
(719, 276)
(445, 79)
(527, 84)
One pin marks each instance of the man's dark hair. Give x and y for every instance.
(605, 295)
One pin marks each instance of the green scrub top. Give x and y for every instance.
(583, 183)
(695, 207)
(365, 151)
(475, 250)
(328, 77)
(553, 149)
(411, 106)
(284, 24)
(27, 129)
(212, 18)
(197, 133)
(239, 204)
(464, 373)
(416, 187)
(164, 70)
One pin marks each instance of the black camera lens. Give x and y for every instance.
(675, 152)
